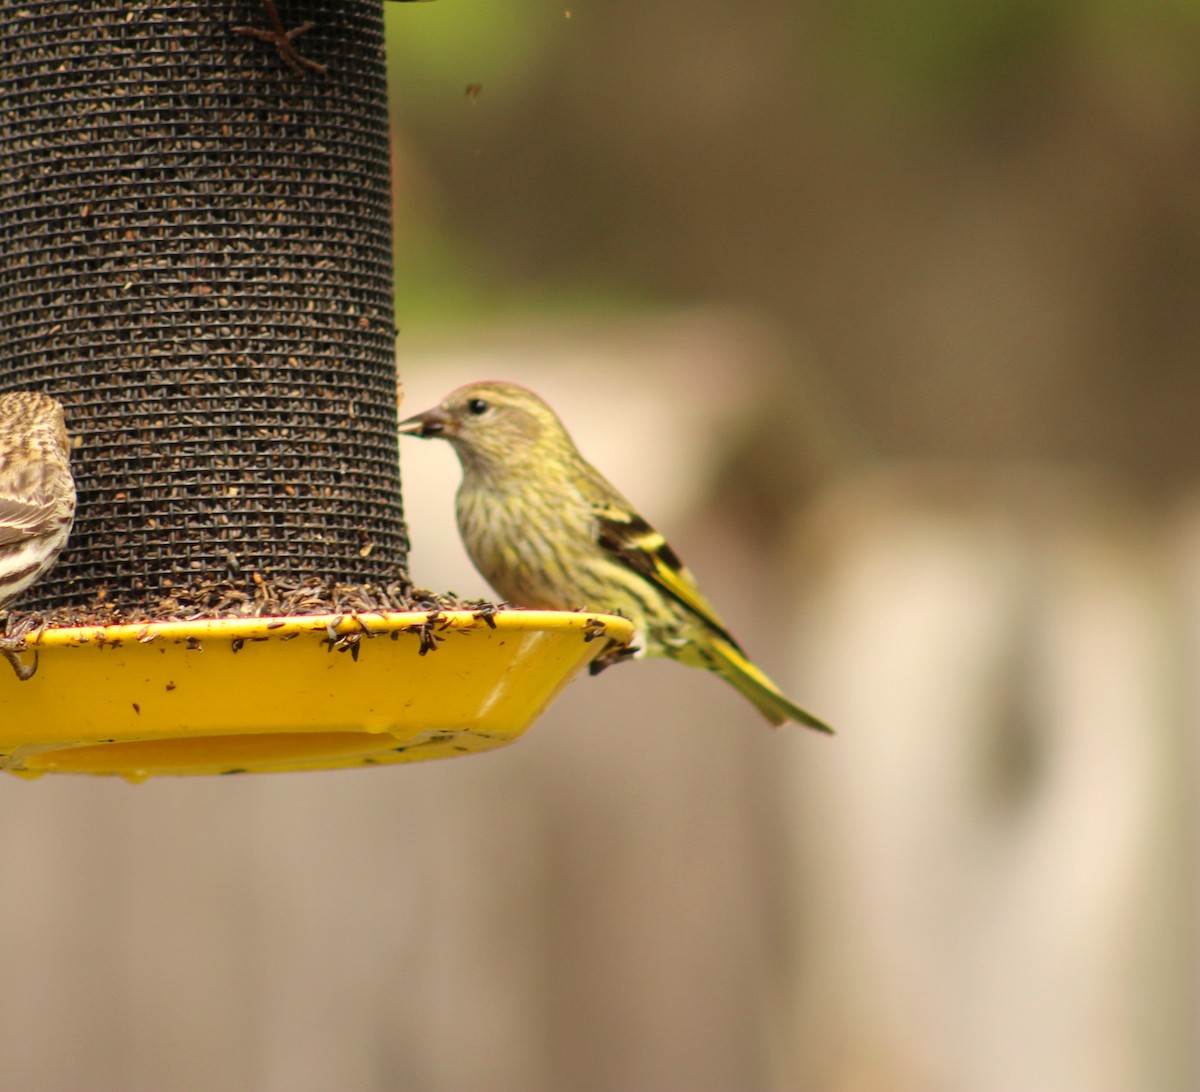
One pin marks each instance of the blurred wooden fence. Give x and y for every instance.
(1005, 897)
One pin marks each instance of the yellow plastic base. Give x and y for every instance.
(297, 693)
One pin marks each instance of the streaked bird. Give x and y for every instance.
(37, 499)
(546, 530)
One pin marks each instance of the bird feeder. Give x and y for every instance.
(198, 265)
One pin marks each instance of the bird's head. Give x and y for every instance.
(491, 425)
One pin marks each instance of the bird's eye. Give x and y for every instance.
(477, 406)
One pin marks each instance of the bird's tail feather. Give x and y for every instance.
(752, 684)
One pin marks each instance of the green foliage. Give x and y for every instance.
(935, 43)
(453, 43)
(932, 55)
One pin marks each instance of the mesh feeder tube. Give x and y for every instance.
(197, 263)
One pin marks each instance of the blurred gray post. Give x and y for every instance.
(197, 261)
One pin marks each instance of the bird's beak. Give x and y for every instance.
(430, 423)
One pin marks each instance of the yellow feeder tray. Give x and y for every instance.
(256, 695)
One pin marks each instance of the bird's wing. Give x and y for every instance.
(20, 520)
(630, 539)
(25, 514)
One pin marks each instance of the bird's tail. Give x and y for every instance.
(751, 683)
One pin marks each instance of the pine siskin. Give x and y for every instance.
(547, 531)
(37, 498)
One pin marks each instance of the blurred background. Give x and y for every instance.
(887, 316)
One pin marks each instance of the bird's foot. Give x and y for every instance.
(9, 647)
(283, 40)
(614, 655)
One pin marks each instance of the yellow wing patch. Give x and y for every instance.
(630, 538)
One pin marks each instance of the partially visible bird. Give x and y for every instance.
(37, 499)
(546, 530)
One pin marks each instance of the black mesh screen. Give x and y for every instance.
(195, 257)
